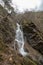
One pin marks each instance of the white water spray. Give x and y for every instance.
(20, 40)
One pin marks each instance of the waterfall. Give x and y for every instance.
(20, 40)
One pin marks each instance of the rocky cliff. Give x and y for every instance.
(32, 35)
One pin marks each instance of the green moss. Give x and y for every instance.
(2, 47)
(1, 59)
(28, 61)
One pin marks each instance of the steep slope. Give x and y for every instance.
(9, 56)
(32, 24)
(33, 37)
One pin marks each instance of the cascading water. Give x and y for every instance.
(20, 40)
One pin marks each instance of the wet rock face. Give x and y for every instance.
(33, 37)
